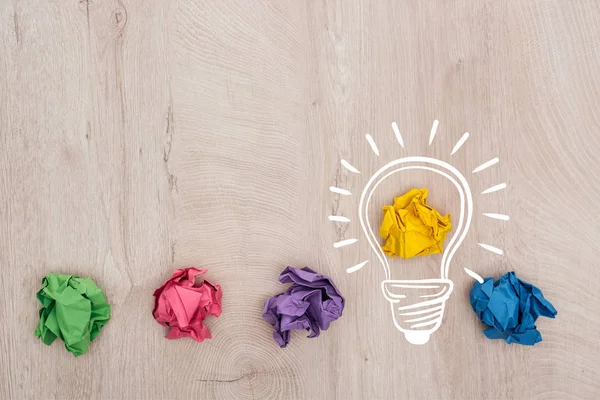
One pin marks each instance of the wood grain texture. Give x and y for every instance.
(141, 136)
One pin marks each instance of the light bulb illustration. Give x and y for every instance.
(417, 306)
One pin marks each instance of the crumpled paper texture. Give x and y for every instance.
(412, 228)
(510, 307)
(311, 303)
(73, 309)
(182, 305)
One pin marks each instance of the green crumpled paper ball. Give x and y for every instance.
(73, 309)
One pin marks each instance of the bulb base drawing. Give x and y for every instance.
(417, 306)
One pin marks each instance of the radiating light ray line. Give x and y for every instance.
(486, 164)
(424, 318)
(339, 191)
(474, 275)
(493, 249)
(397, 133)
(460, 142)
(349, 167)
(356, 267)
(372, 144)
(422, 324)
(339, 218)
(433, 131)
(343, 243)
(494, 188)
(502, 217)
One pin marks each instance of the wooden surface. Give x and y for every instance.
(141, 136)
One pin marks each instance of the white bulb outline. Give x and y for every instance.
(413, 336)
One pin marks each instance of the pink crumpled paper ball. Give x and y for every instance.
(182, 304)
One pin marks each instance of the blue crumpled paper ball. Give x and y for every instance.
(510, 308)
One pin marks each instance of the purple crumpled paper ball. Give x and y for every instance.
(311, 303)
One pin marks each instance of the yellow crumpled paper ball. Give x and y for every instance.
(412, 228)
